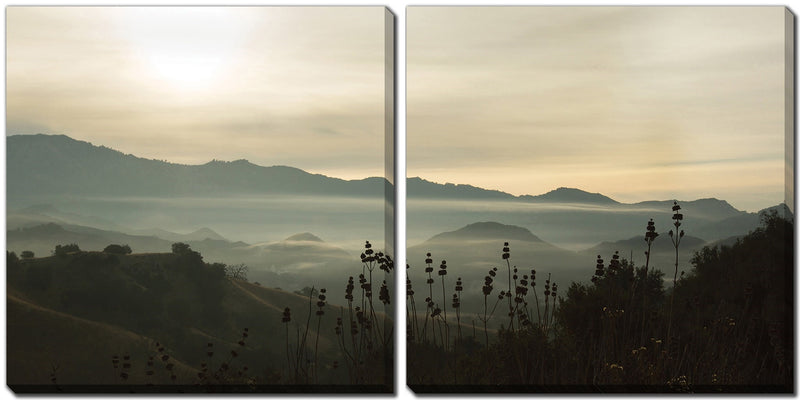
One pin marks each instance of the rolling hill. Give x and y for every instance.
(70, 314)
(300, 260)
(474, 249)
(662, 251)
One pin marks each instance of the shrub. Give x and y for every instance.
(62, 250)
(117, 249)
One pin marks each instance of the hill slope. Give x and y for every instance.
(487, 231)
(76, 311)
(35, 351)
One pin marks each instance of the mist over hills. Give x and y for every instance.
(300, 260)
(96, 186)
(470, 251)
(105, 189)
(59, 165)
(570, 218)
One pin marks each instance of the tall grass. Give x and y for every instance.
(620, 331)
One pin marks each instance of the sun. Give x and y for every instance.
(186, 70)
(186, 47)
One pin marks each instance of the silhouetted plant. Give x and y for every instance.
(320, 312)
(487, 290)
(676, 236)
(611, 331)
(443, 273)
(649, 237)
(117, 249)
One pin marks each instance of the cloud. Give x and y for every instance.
(135, 79)
(570, 91)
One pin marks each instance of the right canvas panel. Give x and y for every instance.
(600, 199)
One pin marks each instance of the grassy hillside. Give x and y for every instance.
(37, 354)
(69, 314)
(726, 325)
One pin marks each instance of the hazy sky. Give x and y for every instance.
(299, 86)
(636, 103)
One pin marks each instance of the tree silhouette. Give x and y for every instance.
(117, 249)
(62, 250)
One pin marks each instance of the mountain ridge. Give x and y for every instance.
(420, 188)
(59, 165)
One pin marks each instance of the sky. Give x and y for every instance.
(637, 103)
(298, 86)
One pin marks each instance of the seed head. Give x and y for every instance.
(384, 294)
(287, 316)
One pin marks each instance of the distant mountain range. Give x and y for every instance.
(59, 170)
(58, 165)
(61, 166)
(417, 187)
(424, 189)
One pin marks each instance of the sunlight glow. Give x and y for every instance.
(189, 48)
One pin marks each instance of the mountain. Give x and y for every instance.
(570, 195)
(57, 165)
(198, 235)
(737, 225)
(472, 250)
(39, 214)
(711, 208)
(487, 231)
(418, 188)
(42, 239)
(303, 237)
(421, 188)
(662, 252)
(781, 209)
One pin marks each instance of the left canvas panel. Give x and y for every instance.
(200, 199)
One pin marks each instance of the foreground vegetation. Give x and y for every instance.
(725, 326)
(117, 321)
